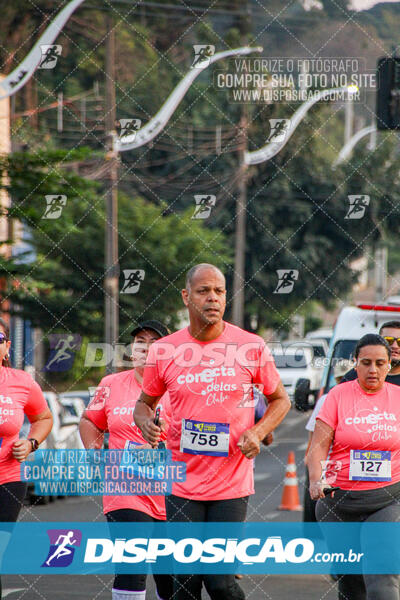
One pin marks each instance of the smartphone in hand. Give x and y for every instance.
(329, 490)
(161, 445)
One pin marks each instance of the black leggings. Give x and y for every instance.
(219, 587)
(380, 505)
(136, 582)
(12, 497)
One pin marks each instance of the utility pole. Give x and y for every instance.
(381, 263)
(111, 278)
(239, 275)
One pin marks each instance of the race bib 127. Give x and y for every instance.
(370, 465)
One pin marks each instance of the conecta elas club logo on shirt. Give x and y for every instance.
(6, 408)
(207, 376)
(203, 383)
(380, 424)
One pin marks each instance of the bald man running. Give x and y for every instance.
(208, 368)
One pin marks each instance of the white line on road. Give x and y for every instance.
(9, 591)
(293, 421)
(286, 440)
(261, 476)
(302, 446)
(271, 515)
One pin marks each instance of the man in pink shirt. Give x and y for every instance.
(209, 370)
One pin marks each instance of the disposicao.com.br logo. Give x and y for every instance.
(253, 547)
(62, 547)
(193, 550)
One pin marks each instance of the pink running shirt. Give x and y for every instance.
(111, 409)
(19, 395)
(362, 421)
(211, 384)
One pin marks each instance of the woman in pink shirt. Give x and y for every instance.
(112, 410)
(19, 395)
(357, 417)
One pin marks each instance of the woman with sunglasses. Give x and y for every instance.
(390, 331)
(19, 395)
(112, 410)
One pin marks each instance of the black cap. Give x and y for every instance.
(154, 325)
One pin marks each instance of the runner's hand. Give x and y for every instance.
(249, 444)
(152, 432)
(21, 449)
(316, 490)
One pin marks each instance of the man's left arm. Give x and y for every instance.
(278, 406)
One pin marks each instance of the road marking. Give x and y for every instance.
(286, 440)
(9, 591)
(261, 476)
(272, 515)
(302, 446)
(293, 421)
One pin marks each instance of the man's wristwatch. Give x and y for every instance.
(35, 444)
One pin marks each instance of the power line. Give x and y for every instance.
(191, 9)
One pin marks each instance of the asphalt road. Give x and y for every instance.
(269, 474)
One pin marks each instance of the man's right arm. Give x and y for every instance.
(143, 416)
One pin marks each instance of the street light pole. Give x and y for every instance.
(272, 148)
(380, 250)
(111, 277)
(348, 148)
(348, 119)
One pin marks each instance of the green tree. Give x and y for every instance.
(61, 290)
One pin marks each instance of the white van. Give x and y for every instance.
(294, 361)
(352, 323)
(325, 334)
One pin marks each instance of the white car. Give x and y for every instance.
(352, 323)
(63, 435)
(84, 395)
(296, 361)
(74, 408)
(65, 431)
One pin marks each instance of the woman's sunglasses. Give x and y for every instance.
(391, 340)
(3, 338)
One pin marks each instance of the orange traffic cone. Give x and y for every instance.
(290, 496)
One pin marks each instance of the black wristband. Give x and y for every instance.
(35, 444)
